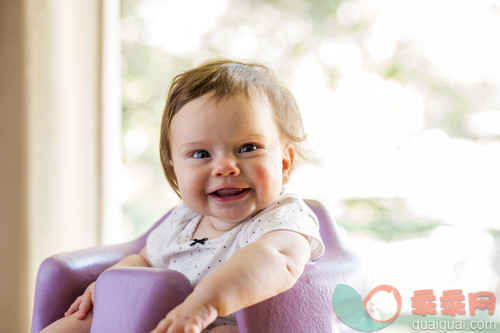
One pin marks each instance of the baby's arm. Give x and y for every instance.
(257, 272)
(84, 303)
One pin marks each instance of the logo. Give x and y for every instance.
(379, 309)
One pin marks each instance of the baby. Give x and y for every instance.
(229, 138)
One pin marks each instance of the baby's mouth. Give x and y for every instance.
(229, 192)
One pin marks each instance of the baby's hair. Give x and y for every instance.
(226, 78)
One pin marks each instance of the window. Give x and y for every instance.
(402, 115)
(400, 100)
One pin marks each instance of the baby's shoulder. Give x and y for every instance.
(181, 212)
(288, 209)
(179, 217)
(289, 203)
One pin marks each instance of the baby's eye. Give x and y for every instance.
(248, 147)
(201, 154)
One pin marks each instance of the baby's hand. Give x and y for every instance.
(83, 304)
(188, 317)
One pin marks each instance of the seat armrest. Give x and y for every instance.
(134, 299)
(307, 306)
(64, 277)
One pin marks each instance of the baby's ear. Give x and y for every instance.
(288, 157)
(172, 171)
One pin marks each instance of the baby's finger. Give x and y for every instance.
(162, 326)
(73, 307)
(84, 308)
(183, 328)
(192, 329)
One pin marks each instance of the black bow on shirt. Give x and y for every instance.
(201, 241)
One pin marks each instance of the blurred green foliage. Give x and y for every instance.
(386, 219)
(285, 30)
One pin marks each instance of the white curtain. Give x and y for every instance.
(59, 137)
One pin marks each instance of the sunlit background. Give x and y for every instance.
(401, 101)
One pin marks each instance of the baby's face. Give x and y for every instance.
(228, 157)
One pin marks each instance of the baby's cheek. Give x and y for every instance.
(190, 183)
(269, 180)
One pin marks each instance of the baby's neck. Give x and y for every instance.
(210, 227)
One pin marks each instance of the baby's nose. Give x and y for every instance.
(226, 166)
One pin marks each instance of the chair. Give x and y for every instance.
(136, 299)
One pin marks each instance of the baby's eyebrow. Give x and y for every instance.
(253, 137)
(192, 144)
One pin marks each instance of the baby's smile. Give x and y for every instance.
(229, 193)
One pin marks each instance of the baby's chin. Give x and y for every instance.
(236, 213)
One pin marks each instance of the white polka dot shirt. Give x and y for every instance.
(171, 244)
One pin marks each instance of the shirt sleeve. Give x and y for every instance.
(287, 213)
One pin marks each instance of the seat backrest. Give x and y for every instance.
(328, 228)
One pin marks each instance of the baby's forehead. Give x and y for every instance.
(255, 99)
(208, 114)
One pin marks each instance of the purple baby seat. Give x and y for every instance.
(136, 299)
